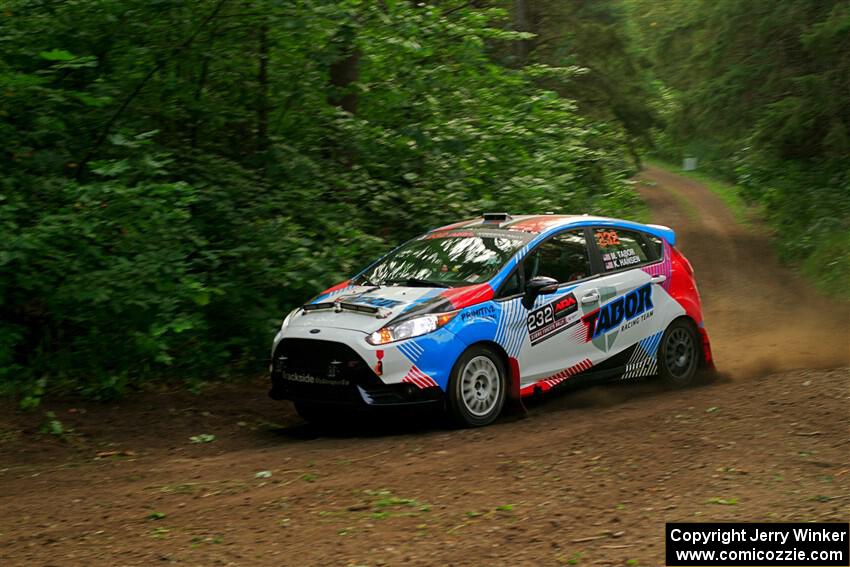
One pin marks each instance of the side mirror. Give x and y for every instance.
(541, 285)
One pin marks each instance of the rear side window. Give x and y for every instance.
(622, 249)
(656, 248)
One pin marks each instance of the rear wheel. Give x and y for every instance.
(678, 355)
(477, 387)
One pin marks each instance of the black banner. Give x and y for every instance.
(692, 544)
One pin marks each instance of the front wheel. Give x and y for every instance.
(477, 387)
(678, 355)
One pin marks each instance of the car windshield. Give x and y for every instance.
(445, 259)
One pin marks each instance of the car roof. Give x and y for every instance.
(542, 224)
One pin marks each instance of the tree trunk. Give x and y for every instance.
(522, 23)
(345, 72)
(196, 113)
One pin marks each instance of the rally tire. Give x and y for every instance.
(477, 387)
(679, 354)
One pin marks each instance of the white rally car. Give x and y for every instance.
(498, 307)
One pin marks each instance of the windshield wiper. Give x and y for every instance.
(417, 282)
(366, 281)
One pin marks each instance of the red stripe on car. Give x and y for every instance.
(537, 224)
(419, 378)
(337, 287)
(547, 384)
(461, 297)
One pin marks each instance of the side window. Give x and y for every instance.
(511, 285)
(655, 247)
(562, 257)
(622, 248)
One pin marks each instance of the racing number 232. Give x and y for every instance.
(540, 317)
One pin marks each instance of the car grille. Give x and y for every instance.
(326, 370)
(326, 360)
(332, 372)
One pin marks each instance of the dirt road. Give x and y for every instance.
(586, 478)
(761, 317)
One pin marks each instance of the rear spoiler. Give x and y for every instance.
(661, 231)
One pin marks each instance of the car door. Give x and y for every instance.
(554, 345)
(621, 310)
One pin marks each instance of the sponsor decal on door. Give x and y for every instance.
(623, 309)
(548, 320)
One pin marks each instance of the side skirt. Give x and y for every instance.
(636, 361)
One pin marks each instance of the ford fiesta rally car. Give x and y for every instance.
(498, 307)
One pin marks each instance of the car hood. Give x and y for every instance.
(368, 308)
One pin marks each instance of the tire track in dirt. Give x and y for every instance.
(760, 316)
(588, 477)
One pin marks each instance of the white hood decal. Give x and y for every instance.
(388, 302)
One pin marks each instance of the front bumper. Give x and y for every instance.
(357, 396)
(330, 372)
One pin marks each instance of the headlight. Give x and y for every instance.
(410, 328)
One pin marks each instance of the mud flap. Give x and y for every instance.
(514, 404)
(707, 358)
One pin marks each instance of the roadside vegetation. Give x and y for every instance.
(758, 91)
(178, 175)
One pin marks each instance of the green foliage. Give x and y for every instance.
(202, 438)
(178, 175)
(52, 425)
(759, 92)
(809, 203)
(609, 78)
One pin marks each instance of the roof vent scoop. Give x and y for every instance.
(496, 217)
